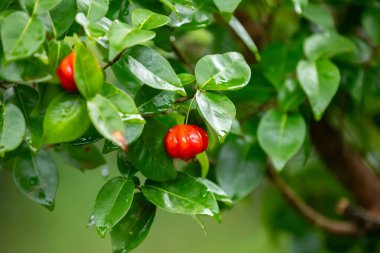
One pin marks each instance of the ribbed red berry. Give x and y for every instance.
(65, 73)
(185, 141)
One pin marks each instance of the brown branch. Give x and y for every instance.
(117, 57)
(347, 165)
(361, 216)
(331, 226)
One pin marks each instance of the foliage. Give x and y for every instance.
(144, 66)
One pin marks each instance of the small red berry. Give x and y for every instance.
(185, 141)
(65, 73)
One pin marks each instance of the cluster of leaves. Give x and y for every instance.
(144, 66)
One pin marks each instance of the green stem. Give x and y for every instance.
(188, 111)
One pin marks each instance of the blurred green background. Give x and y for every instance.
(29, 227)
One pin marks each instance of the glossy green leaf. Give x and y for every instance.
(320, 15)
(36, 176)
(112, 203)
(84, 157)
(218, 111)
(371, 23)
(40, 6)
(88, 75)
(186, 78)
(106, 120)
(327, 45)
(190, 18)
(146, 19)
(62, 16)
(227, 6)
(123, 36)
(21, 35)
(227, 71)
(93, 9)
(290, 96)
(131, 231)
(4, 4)
(12, 130)
(240, 168)
(148, 154)
(320, 81)
(57, 50)
(218, 192)
(204, 163)
(24, 97)
(65, 119)
(132, 132)
(184, 195)
(125, 167)
(244, 36)
(149, 67)
(281, 135)
(155, 100)
(120, 99)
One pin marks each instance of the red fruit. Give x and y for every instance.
(185, 141)
(65, 73)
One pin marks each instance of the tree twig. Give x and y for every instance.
(323, 222)
(117, 57)
(347, 165)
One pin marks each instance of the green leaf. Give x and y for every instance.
(244, 36)
(85, 157)
(106, 120)
(40, 6)
(240, 168)
(227, 71)
(21, 35)
(227, 6)
(88, 75)
(62, 16)
(12, 130)
(24, 97)
(157, 101)
(57, 50)
(184, 195)
(320, 81)
(290, 96)
(186, 78)
(281, 135)
(149, 67)
(190, 18)
(120, 99)
(148, 154)
(320, 15)
(131, 231)
(204, 163)
(327, 45)
(112, 203)
(218, 192)
(146, 19)
(371, 23)
(123, 36)
(36, 176)
(218, 111)
(132, 133)
(65, 119)
(125, 167)
(93, 9)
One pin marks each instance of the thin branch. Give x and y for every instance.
(117, 57)
(331, 226)
(360, 215)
